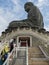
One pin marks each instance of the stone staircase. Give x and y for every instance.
(35, 57)
(21, 58)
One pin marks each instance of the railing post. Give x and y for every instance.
(27, 56)
(7, 62)
(16, 52)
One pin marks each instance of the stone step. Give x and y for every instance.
(20, 62)
(36, 56)
(38, 63)
(21, 54)
(34, 50)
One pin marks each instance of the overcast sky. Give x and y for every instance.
(14, 10)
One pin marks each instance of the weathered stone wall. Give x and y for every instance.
(37, 41)
(37, 38)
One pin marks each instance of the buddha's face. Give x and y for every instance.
(27, 8)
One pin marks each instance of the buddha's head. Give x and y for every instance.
(28, 6)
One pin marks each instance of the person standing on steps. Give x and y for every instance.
(4, 53)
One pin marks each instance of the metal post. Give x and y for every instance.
(8, 61)
(27, 55)
(16, 52)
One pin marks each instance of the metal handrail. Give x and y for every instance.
(7, 60)
(43, 52)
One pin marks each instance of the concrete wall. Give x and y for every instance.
(37, 41)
